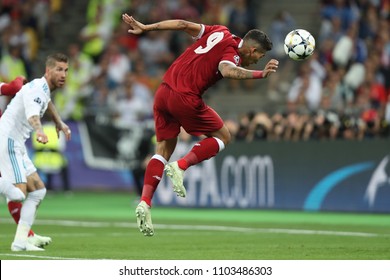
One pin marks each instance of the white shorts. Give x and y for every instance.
(15, 164)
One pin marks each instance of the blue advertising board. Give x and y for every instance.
(310, 176)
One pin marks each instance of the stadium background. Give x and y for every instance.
(254, 172)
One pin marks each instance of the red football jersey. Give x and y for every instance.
(197, 68)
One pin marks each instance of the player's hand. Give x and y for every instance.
(136, 27)
(271, 67)
(41, 137)
(23, 79)
(65, 129)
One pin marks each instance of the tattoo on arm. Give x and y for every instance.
(237, 73)
(35, 122)
(176, 24)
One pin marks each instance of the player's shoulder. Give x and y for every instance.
(38, 85)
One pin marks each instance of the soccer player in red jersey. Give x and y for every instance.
(11, 88)
(178, 102)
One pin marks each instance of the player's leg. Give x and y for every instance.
(153, 174)
(7, 187)
(36, 193)
(14, 202)
(204, 121)
(14, 173)
(9, 191)
(14, 208)
(34, 184)
(206, 148)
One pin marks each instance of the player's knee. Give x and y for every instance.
(227, 139)
(17, 195)
(38, 195)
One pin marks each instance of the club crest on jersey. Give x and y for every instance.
(236, 59)
(38, 100)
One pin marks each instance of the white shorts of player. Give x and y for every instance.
(15, 164)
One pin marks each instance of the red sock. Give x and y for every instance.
(14, 209)
(153, 174)
(205, 149)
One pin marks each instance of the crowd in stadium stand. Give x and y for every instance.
(341, 92)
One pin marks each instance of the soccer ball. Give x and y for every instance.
(299, 44)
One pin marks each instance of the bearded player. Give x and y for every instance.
(178, 102)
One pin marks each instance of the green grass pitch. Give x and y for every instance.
(101, 225)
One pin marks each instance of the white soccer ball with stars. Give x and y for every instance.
(299, 44)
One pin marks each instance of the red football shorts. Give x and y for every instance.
(173, 110)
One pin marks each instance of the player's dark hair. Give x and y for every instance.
(260, 38)
(56, 57)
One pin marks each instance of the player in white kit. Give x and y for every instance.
(22, 117)
(10, 89)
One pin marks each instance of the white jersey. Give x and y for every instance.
(31, 100)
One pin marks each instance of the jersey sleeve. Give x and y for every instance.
(33, 104)
(230, 56)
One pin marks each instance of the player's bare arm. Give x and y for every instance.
(228, 70)
(35, 122)
(60, 125)
(137, 27)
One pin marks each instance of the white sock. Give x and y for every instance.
(30, 206)
(10, 191)
(21, 234)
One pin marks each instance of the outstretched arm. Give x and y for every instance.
(229, 70)
(60, 125)
(137, 27)
(36, 124)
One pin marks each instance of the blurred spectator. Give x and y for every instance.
(102, 102)
(259, 128)
(118, 65)
(185, 10)
(71, 100)
(95, 34)
(12, 65)
(243, 125)
(343, 10)
(154, 49)
(241, 20)
(50, 159)
(133, 104)
(281, 25)
(142, 76)
(17, 36)
(305, 91)
(216, 12)
(336, 95)
(124, 40)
